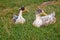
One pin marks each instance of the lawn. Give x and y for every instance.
(11, 31)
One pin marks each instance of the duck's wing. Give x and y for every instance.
(45, 18)
(15, 17)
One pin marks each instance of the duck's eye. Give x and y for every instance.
(39, 10)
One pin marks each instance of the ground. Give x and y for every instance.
(11, 31)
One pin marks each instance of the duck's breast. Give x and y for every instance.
(37, 23)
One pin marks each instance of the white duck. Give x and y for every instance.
(44, 20)
(19, 18)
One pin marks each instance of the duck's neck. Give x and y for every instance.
(37, 16)
(20, 13)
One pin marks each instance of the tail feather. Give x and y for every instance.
(53, 13)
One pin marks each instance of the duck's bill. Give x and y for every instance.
(26, 10)
(43, 13)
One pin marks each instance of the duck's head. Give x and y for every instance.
(24, 9)
(40, 12)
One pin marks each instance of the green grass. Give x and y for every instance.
(10, 31)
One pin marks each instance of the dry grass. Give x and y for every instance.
(48, 3)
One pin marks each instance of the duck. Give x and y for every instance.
(43, 20)
(19, 18)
